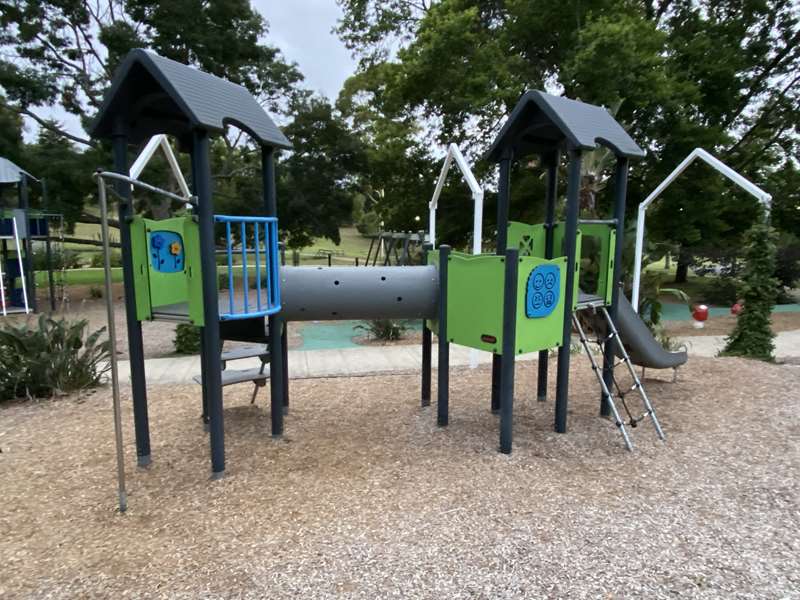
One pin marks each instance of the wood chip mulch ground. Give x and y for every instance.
(365, 497)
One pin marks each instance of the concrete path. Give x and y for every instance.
(365, 360)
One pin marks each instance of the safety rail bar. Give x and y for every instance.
(267, 281)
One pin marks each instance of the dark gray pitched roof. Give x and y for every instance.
(11, 173)
(541, 122)
(158, 95)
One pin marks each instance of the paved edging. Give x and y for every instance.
(367, 360)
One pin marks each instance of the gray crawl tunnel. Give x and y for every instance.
(333, 293)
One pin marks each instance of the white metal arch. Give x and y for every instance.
(763, 197)
(453, 153)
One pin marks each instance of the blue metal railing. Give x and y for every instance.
(258, 236)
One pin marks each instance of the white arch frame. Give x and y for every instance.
(144, 157)
(748, 186)
(454, 154)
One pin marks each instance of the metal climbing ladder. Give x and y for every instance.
(611, 334)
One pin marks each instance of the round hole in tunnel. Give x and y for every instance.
(336, 282)
(399, 298)
(334, 313)
(383, 277)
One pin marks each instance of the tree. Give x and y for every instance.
(64, 53)
(722, 75)
(752, 336)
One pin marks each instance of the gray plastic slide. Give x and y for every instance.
(642, 347)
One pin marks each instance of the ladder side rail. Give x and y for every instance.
(636, 381)
(606, 392)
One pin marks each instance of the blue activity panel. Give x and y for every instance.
(542, 292)
(166, 252)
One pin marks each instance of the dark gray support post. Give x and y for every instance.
(135, 346)
(203, 367)
(212, 363)
(427, 339)
(551, 161)
(443, 372)
(27, 245)
(509, 350)
(276, 335)
(285, 362)
(609, 353)
(48, 248)
(570, 235)
(503, 202)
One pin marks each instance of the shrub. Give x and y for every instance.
(54, 357)
(752, 335)
(383, 329)
(61, 258)
(187, 339)
(95, 292)
(97, 260)
(787, 268)
(369, 223)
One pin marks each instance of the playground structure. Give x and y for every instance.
(521, 299)
(20, 229)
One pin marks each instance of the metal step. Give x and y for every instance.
(232, 376)
(242, 352)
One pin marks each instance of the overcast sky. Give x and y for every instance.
(302, 30)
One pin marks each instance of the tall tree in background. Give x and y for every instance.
(64, 53)
(722, 75)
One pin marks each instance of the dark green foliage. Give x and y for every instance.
(187, 339)
(51, 357)
(61, 258)
(97, 259)
(787, 268)
(752, 336)
(383, 329)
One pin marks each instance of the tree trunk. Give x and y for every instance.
(682, 270)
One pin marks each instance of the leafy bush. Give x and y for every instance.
(61, 258)
(368, 224)
(95, 292)
(187, 339)
(54, 357)
(383, 329)
(752, 335)
(650, 305)
(722, 291)
(97, 260)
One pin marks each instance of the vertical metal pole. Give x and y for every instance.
(551, 162)
(141, 420)
(27, 244)
(203, 367)
(443, 372)
(509, 350)
(426, 346)
(278, 373)
(503, 202)
(609, 351)
(570, 235)
(51, 284)
(212, 363)
(112, 339)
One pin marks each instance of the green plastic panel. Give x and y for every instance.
(558, 249)
(153, 288)
(530, 239)
(475, 304)
(141, 269)
(606, 235)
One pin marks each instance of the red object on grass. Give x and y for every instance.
(700, 312)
